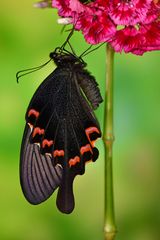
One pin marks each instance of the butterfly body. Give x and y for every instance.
(60, 132)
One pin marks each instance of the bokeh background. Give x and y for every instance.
(27, 36)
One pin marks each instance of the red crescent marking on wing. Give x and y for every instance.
(89, 131)
(33, 112)
(86, 148)
(73, 161)
(37, 130)
(46, 142)
(58, 153)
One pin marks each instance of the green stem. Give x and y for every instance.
(108, 138)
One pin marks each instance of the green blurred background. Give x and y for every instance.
(27, 36)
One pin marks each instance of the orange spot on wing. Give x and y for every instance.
(86, 148)
(33, 112)
(46, 142)
(89, 131)
(58, 153)
(37, 130)
(73, 161)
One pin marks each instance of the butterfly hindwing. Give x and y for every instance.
(79, 147)
(39, 177)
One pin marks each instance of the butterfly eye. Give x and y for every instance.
(52, 55)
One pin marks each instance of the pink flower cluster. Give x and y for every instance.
(128, 25)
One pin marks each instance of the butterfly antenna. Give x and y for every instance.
(63, 28)
(67, 39)
(71, 47)
(24, 72)
(87, 51)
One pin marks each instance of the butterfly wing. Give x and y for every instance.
(81, 131)
(58, 140)
(39, 177)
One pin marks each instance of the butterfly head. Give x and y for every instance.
(63, 58)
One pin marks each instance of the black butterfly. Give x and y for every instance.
(60, 131)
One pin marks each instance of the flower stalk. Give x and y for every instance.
(108, 139)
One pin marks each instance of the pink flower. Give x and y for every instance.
(127, 39)
(129, 12)
(63, 7)
(96, 27)
(69, 8)
(129, 26)
(151, 34)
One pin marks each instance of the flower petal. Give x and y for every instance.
(129, 12)
(96, 28)
(127, 39)
(63, 7)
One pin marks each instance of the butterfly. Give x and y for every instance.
(60, 132)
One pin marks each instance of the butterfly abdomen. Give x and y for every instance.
(90, 88)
